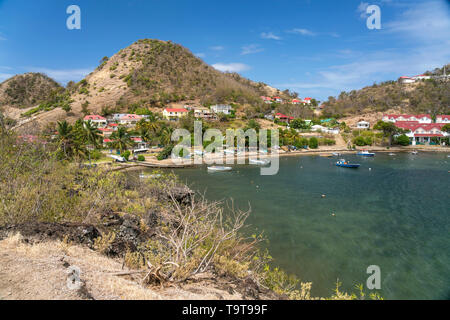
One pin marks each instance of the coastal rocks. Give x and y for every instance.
(42, 231)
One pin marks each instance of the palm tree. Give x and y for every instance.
(121, 139)
(65, 136)
(165, 136)
(91, 134)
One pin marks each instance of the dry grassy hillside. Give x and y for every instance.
(430, 96)
(152, 74)
(27, 90)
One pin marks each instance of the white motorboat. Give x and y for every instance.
(259, 162)
(117, 158)
(219, 169)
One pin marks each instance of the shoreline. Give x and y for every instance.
(189, 163)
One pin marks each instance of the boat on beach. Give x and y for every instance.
(392, 154)
(415, 152)
(366, 153)
(343, 163)
(219, 169)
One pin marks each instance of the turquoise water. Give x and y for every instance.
(396, 216)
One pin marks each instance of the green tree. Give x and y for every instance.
(389, 130)
(446, 128)
(402, 140)
(313, 143)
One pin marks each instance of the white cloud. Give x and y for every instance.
(250, 49)
(217, 48)
(422, 29)
(362, 10)
(231, 67)
(63, 75)
(426, 22)
(2, 38)
(303, 32)
(270, 35)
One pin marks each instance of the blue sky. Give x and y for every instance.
(317, 48)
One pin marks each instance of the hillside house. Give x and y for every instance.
(174, 114)
(307, 100)
(296, 101)
(130, 120)
(98, 121)
(277, 99)
(445, 119)
(421, 118)
(421, 77)
(405, 80)
(283, 118)
(204, 113)
(267, 100)
(364, 125)
(222, 108)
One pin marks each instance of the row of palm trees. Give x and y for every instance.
(79, 139)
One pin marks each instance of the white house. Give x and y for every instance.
(406, 80)
(419, 133)
(203, 113)
(421, 77)
(420, 118)
(323, 129)
(363, 125)
(277, 99)
(267, 100)
(221, 108)
(174, 114)
(307, 100)
(130, 119)
(443, 119)
(296, 101)
(98, 121)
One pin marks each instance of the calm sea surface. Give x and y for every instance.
(396, 216)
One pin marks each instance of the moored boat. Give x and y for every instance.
(219, 169)
(345, 164)
(259, 162)
(366, 153)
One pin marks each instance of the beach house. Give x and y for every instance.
(173, 114)
(222, 108)
(422, 133)
(98, 121)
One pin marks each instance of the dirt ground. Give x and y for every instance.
(40, 271)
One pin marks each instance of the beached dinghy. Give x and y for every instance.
(219, 169)
(345, 164)
(117, 158)
(366, 153)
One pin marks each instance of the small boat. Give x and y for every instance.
(117, 158)
(392, 154)
(259, 162)
(415, 152)
(345, 164)
(219, 169)
(336, 154)
(366, 153)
